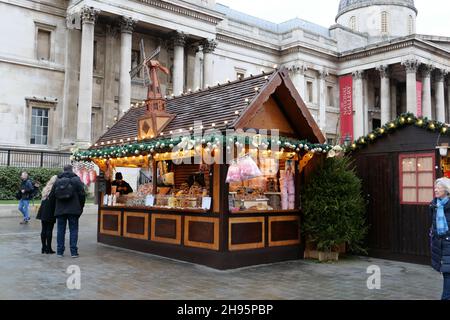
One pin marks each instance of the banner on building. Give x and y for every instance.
(346, 107)
(419, 98)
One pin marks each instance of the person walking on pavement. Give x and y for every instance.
(70, 199)
(440, 235)
(24, 196)
(46, 214)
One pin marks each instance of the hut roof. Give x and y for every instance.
(224, 105)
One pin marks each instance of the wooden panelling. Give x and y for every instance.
(135, 225)
(166, 228)
(283, 231)
(111, 223)
(201, 232)
(246, 233)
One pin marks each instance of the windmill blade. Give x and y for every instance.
(155, 53)
(136, 70)
(146, 81)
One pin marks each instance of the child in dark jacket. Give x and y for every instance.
(46, 214)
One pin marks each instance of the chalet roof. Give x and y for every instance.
(406, 120)
(222, 105)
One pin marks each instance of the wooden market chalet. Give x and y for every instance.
(241, 223)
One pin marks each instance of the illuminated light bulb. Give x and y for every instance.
(102, 143)
(191, 128)
(236, 112)
(213, 125)
(225, 122)
(247, 100)
(161, 134)
(256, 89)
(128, 139)
(96, 144)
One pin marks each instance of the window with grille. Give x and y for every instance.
(39, 126)
(417, 176)
(384, 22)
(352, 23)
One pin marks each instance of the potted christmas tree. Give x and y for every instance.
(334, 211)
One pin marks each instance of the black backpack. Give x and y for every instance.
(35, 191)
(64, 189)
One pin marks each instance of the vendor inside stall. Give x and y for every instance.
(121, 185)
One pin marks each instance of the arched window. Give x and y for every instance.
(410, 25)
(384, 22)
(352, 23)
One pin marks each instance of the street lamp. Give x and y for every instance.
(347, 141)
(443, 149)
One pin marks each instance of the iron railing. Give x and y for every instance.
(33, 159)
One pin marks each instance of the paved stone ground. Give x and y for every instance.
(110, 273)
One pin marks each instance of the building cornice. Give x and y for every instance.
(39, 6)
(203, 15)
(278, 50)
(387, 47)
(221, 37)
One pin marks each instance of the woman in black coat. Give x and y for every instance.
(46, 214)
(440, 234)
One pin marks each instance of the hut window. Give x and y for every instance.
(417, 177)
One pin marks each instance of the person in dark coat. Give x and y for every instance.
(123, 187)
(70, 199)
(24, 196)
(46, 214)
(440, 235)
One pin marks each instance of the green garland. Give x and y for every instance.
(152, 147)
(405, 119)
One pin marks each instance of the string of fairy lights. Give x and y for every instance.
(210, 143)
(405, 119)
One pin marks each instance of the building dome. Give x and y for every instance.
(379, 19)
(348, 5)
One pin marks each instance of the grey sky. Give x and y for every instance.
(433, 18)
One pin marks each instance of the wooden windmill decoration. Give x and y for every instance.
(156, 118)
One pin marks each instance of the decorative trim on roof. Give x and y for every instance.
(210, 18)
(404, 120)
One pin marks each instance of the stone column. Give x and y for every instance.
(411, 85)
(299, 79)
(197, 83)
(322, 101)
(368, 98)
(385, 94)
(88, 16)
(358, 104)
(440, 95)
(126, 36)
(209, 46)
(179, 41)
(393, 99)
(448, 95)
(426, 82)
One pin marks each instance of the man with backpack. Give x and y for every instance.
(24, 195)
(70, 198)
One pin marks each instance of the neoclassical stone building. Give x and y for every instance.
(65, 63)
